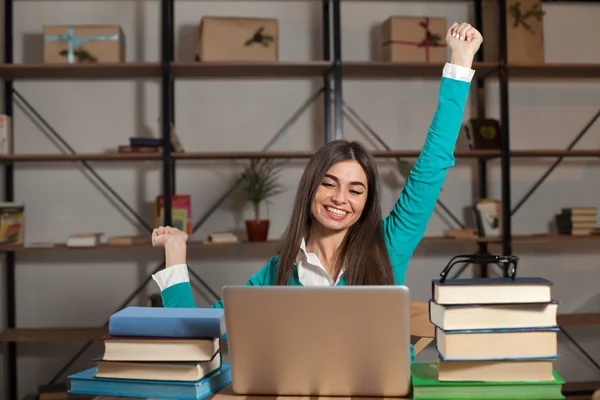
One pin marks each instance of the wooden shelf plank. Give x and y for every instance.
(227, 155)
(119, 157)
(221, 69)
(268, 245)
(391, 70)
(554, 153)
(80, 157)
(308, 154)
(271, 244)
(20, 335)
(555, 70)
(80, 71)
(582, 319)
(541, 238)
(63, 247)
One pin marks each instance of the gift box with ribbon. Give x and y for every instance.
(524, 31)
(237, 39)
(76, 44)
(414, 39)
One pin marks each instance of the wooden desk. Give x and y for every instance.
(227, 394)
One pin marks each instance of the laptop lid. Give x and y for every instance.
(324, 341)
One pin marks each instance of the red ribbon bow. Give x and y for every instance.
(427, 42)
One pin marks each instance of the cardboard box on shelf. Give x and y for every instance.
(524, 31)
(414, 39)
(77, 44)
(237, 39)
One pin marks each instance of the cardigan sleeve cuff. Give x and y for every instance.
(458, 72)
(171, 276)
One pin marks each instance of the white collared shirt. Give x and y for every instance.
(310, 270)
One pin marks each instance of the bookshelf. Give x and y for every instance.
(333, 70)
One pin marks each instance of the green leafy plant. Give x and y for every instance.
(260, 182)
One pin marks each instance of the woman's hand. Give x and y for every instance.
(174, 242)
(464, 41)
(165, 235)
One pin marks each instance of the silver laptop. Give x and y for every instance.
(321, 341)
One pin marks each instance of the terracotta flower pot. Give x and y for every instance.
(257, 230)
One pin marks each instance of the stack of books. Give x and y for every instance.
(495, 338)
(577, 221)
(153, 352)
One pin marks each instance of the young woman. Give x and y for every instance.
(336, 234)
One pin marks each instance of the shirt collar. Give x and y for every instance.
(311, 258)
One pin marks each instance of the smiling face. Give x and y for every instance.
(341, 196)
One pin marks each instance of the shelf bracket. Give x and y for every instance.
(91, 170)
(546, 174)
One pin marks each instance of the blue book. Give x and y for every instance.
(85, 382)
(135, 141)
(167, 322)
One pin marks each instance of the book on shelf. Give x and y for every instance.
(127, 240)
(91, 239)
(12, 223)
(578, 221)
(181, 212)
(223, 237)
(123, 149)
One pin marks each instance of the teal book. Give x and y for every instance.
(86, 382)
(427, 386)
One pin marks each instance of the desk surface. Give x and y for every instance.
(227, 394)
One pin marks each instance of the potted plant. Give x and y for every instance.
(259, 183)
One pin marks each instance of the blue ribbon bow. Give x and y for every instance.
(74, 42)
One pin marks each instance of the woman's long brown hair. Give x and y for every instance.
(363, 252)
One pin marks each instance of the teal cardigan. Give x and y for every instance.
(405, 226)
